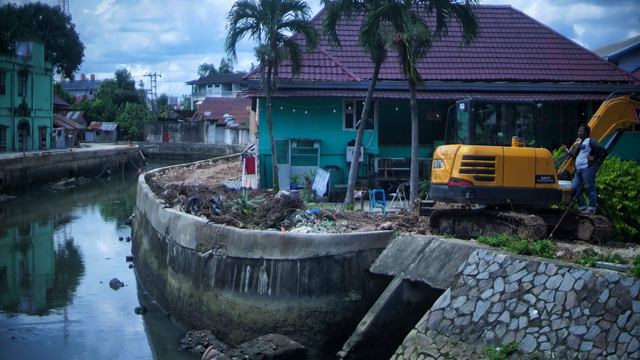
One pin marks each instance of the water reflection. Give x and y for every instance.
(58, 251)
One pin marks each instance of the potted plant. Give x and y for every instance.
(307, 193)
(294, 181)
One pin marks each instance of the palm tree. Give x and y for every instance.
(268, 22)
(409, 34)
(372, 43)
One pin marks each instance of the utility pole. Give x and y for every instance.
(64, 6)
(153, 92)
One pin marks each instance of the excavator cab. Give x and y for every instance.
(491, 122)
(492, 156)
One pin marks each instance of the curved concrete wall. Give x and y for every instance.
(241, 284)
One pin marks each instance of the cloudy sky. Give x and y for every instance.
(172, 38)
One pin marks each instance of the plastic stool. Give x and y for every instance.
(382, 203)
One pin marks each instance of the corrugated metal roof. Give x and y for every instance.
(104, 126)
(218, 79)
(61, 121)
(512, 47)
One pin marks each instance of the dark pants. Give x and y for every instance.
(588, 178)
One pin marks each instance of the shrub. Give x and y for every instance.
(519, 245)
(589, 259)
(635, 269)
(618, 186)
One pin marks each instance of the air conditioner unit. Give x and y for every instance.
(351, 149)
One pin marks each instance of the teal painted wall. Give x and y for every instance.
(321, 118)
(38, 99)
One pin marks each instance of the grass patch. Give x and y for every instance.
(520, 245)
(590, 259)
(499, 353)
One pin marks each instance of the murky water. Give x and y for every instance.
(58, 252)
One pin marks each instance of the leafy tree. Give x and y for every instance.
(268, 22)
(186, 102)
(163, 102)
(407, 32)
(62, 45)
(370, 39)
(118, 92)
(205, 70)
(63, 94)
(226, 66)
(131, 118)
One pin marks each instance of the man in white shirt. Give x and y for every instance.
(584, 151)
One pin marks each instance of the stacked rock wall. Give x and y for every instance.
(551, 309)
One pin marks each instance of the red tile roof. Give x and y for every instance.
(215, 109)
(512, 47)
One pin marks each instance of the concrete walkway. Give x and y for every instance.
(83, 147)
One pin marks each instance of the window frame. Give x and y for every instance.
(23, 80)
(353, 111)
(3, 83)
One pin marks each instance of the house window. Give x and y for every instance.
(2, 82)
(22, 85)
(217, 85)
(305, 152)
(42, 137)
(3, 138)
(352, 110)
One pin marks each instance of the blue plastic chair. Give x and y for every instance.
(373, 197)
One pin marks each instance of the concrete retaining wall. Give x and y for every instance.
(188, 151)
(552, 309)
(240, 284)
(22, 172)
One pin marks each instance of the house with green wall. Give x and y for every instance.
(26, 98)
(515, 58)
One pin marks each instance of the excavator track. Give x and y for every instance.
(472, 223)
(576, 226)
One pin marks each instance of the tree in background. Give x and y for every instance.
(38, 21)
(120, 90)
(268, 22)
(205, 70)
(131, 118)
(370, 39)
(63, 94)
(226, 66)
(407, 32)
(185, 104)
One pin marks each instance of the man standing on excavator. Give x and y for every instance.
(584, 151)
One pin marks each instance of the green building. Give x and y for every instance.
(26, 98)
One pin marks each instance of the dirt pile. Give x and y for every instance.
(211, 189)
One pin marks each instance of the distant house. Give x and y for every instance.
(66, 132)
(26, 98)
(232, 117)
(215, 85)
(77, 116)
(82, 87)
(217, 121)
(102, 132)
(59, 105)
(515, 57)
(625, 54)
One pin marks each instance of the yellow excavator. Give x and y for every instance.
(492, 162)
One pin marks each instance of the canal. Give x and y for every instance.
(59, 249)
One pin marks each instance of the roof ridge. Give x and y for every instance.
(340, 64)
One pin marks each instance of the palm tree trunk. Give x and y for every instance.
(414, 180)
(353, 170)
(272, 140)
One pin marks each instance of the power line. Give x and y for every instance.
(153, 92)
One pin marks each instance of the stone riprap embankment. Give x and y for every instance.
(551, 309)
